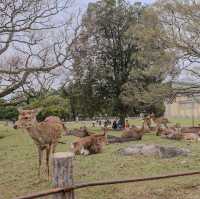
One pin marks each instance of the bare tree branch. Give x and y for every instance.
(30, 40)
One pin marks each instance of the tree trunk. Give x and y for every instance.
(73, 112)
(122, 119)
(119, 109)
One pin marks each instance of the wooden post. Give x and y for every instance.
(63, 173)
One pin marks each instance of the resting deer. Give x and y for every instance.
(159, 120)
(172, 133)
(90, 145)
(195, 130)
(44, 134)
(191, 133)
(178, 134)
(135, 132)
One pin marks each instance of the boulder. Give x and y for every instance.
(154, 150)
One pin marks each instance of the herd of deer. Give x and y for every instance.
(175, 132)
(46, 134)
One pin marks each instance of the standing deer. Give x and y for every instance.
(159, 120)
(44, 134)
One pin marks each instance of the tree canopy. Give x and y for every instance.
(120, 55)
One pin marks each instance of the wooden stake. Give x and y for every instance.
(63, 174)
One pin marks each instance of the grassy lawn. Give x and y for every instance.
(182, 121)
(18, 169)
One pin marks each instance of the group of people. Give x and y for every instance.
(118, 124)
(105, 123)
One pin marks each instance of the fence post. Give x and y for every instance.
(63, 173)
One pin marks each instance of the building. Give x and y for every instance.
(184, 103)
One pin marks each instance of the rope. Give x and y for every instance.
(93, 184)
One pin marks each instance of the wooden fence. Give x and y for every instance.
(64, 186)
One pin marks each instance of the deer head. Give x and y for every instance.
(147, 121)
(26, 118)
(152, 115)
(102, 138)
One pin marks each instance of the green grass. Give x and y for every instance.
(184, 121)
(18, 169)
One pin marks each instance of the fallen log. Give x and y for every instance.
(120, 140)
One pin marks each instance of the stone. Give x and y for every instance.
(154, 150)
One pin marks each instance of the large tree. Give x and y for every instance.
(120, 44)
(147, 85)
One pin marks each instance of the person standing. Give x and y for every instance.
(127, 125)
(114, 125)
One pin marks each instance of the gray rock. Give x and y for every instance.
(154, 150)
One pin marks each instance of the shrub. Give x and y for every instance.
(8, 113)
(52, 105)
(53, 111)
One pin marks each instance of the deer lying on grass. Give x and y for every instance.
(178, 134)
(172, 133)
(159, 121)
(45, 134)
(195, 130)
(90, 145)
(191, 133)
(191, 136)
(135, 132)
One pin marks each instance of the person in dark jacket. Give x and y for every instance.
(119, 124)
(114, 125)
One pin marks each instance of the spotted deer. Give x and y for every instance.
(45, 134)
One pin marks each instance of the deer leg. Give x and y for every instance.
(157, 130)
(84, 151)
(54, 147)
(165, 124)
(48, 149)
(40, 154)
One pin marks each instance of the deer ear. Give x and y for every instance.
(37, 110)
(20, 109)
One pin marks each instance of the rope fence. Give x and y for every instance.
(103, 183)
